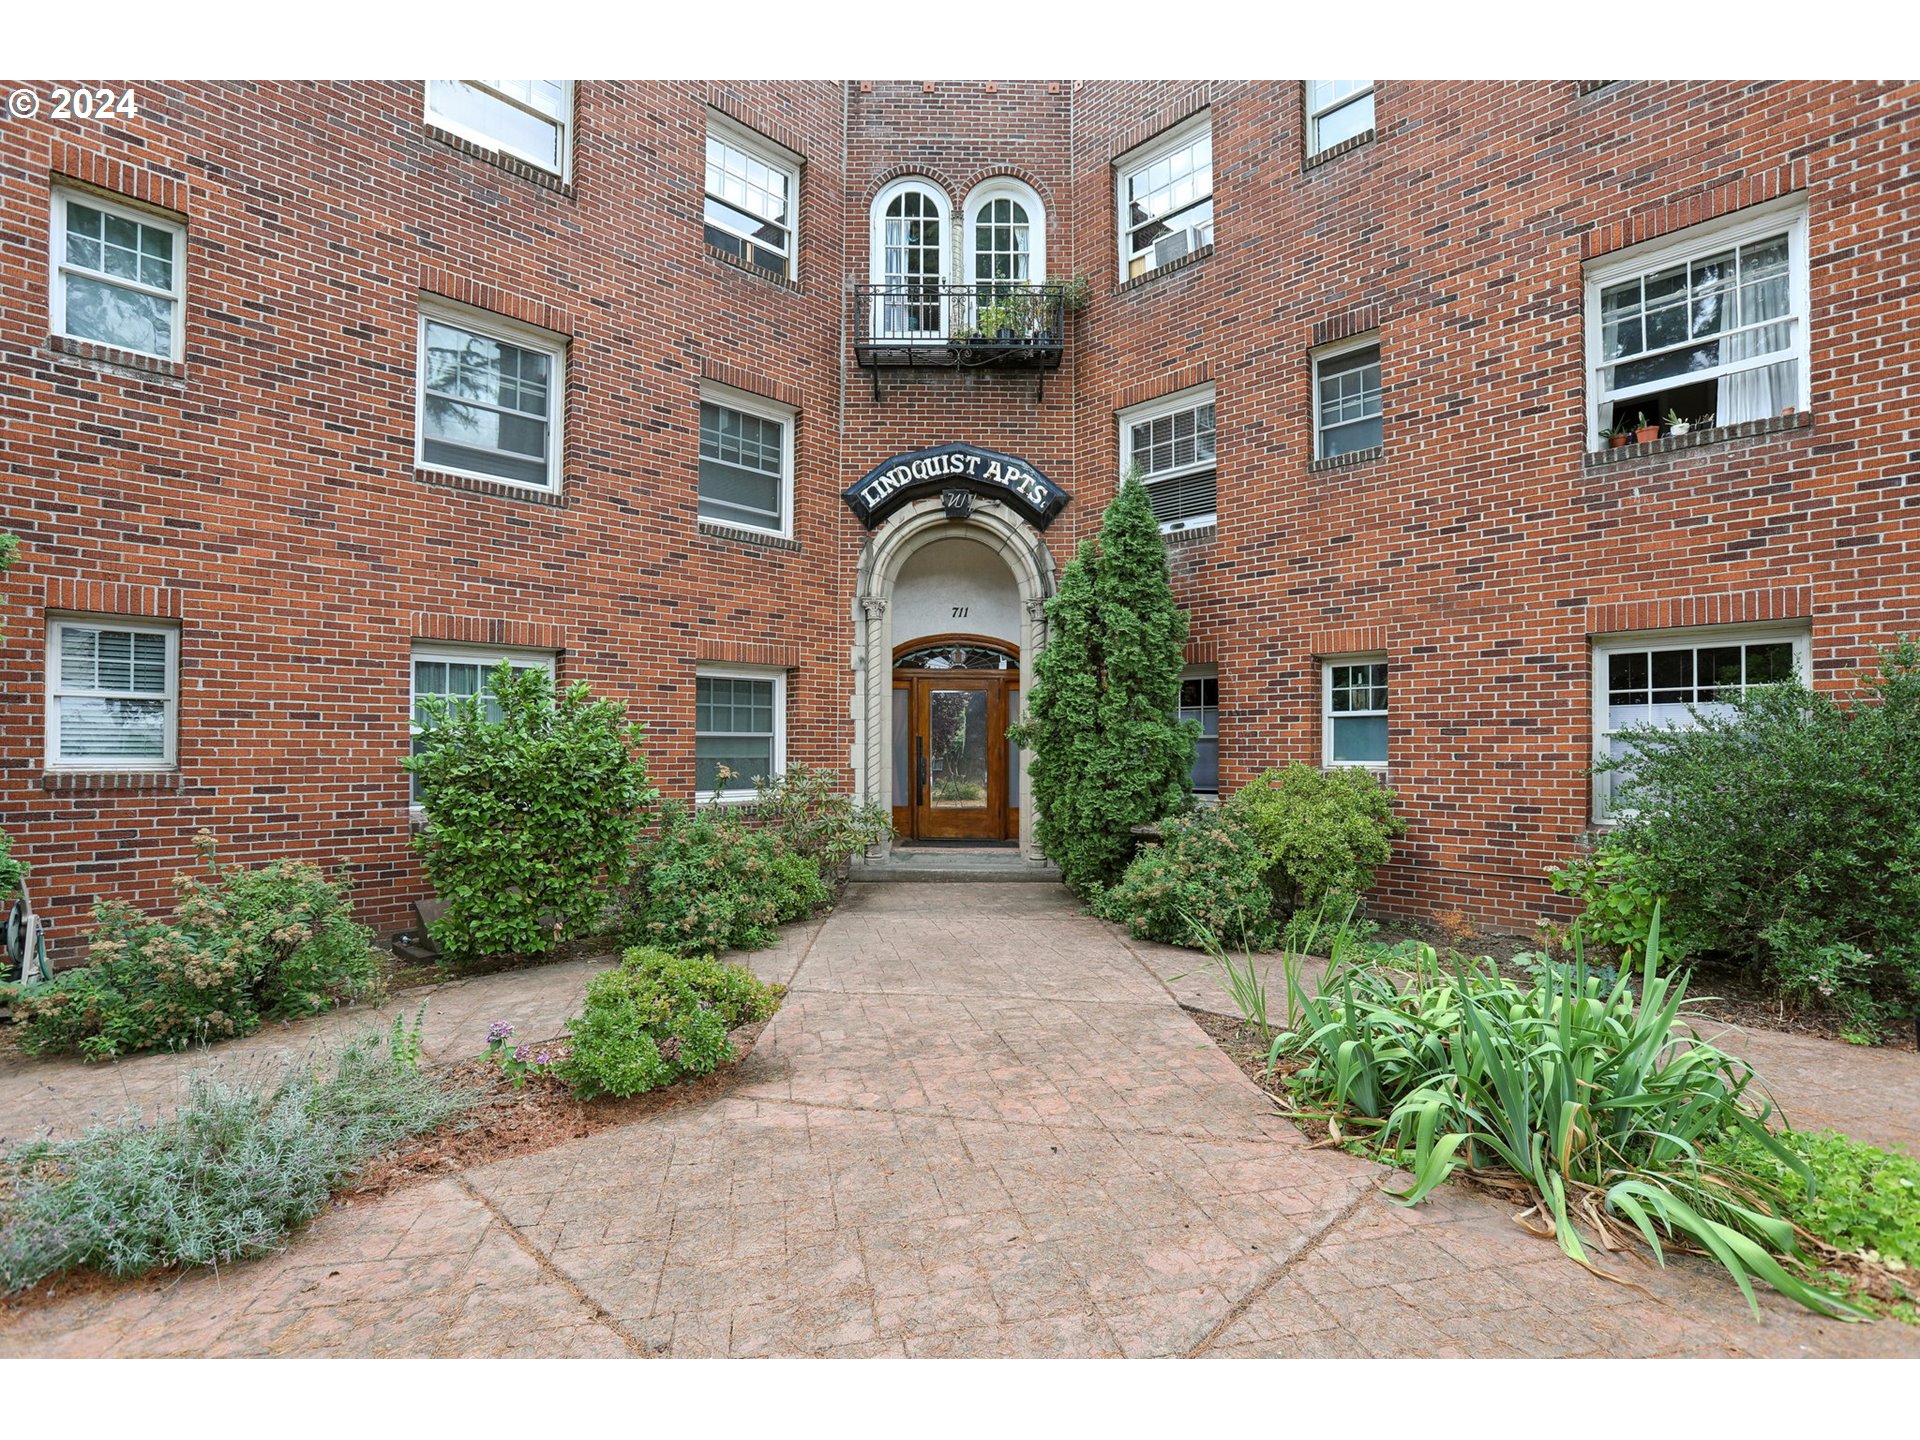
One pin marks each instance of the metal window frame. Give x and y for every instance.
(1142, 157)
(774, 156)
(1368, 341)
(1314, 117)
(1191, 398)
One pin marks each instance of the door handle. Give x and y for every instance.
(920, 767)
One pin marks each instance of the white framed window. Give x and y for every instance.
(1170, 442)
(491, 398)
(460, 674)
(1337, 110)
(1708, 326)
(740, 725)
(1006, 236)
(1669, 679)
(113, 694)
(1353, 715)
(119, 276)
(752, 197)
(1200, 702)
(910, 242)
(531, 119)
(1164, 192)
(746, 461)
(1346, 398)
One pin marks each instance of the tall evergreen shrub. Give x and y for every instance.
(1105, 752)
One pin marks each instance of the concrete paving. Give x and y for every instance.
(981, 1125)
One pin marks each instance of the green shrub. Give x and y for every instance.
(1783, 835)
(709, 882)
(10, 869)
(1617, 892)
(1105, 752)
(276, 942)
(1323, 832)
(533, 805)
(1855, 1197)
(657, 1018)
(1203, 883)
(802, 810)
(227, 1176)
(1598, 1101)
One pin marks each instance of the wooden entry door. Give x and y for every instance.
(958, 765)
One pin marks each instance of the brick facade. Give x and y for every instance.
(262, 492)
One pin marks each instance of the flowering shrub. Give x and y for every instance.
(711, 883)
(801, 809)
(517, 1062)
(275, 942)
(657, 1018)
(1205, 881)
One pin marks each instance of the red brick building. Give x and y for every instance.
(318, 398)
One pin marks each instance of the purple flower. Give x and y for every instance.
(545, 1057)
(522, 1054)
(499, 1032)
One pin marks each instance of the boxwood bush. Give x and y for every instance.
(657, 1018)
(1323, 833)
(711, 882)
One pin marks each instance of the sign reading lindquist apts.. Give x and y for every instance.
(888, 486)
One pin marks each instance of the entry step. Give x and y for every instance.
(997, 865)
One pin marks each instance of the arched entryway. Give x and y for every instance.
(921, 567)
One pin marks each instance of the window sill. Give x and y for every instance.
(109, 355)
(734, 262)
(500, 159)
(765, 539)
(1196, 535)
(1172, 267)
(1346, 461)
(499, 489)
(1334, 152)
(1699, 439)
(87, 782)
(727, 797)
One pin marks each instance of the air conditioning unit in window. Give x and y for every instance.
(1175, 244)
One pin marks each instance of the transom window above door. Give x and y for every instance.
(962, 656)
(910, 260)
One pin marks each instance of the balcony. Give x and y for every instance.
(926, 324)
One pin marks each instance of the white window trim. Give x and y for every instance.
(493, 143)
(877, 247)
(765, 409)
(1369, 341)
(1187, 399)
(494, 327)
(117, 764)
(770, 154)
(488, 656)
(1604, 647)
(1003, 187)
(1327, 664)
(1314, 117)
(57, 269)
(747, 796)
(1139, 158)
(1752, 223)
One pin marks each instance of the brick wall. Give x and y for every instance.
(262, 492)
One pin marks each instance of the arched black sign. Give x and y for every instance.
(888, 486)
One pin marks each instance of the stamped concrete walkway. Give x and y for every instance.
(981, 1125)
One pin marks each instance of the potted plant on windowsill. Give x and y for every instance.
(1675, 425)
(1644, 432)
(1615, 436)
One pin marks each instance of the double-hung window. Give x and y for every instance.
(1200, 702)
(753, 192)
(1165, 197)
(525, 118)
(1354, 718)
(746, 461)
(739, 731)
(1170, 443)
(1337, 111)
(1707, 328)
(119, 276)
(1346, 386)
(1672, 679)
(461, 676)
(112, 695)
(490, 398)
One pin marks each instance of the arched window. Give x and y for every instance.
(1006, 237)
(959, 655)
(910, 260)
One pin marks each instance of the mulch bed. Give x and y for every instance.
(1716, 991)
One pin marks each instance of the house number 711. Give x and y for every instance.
(959, 612)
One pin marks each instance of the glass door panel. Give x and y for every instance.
(957, 749)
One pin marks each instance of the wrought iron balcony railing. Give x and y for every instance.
(988, 323)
